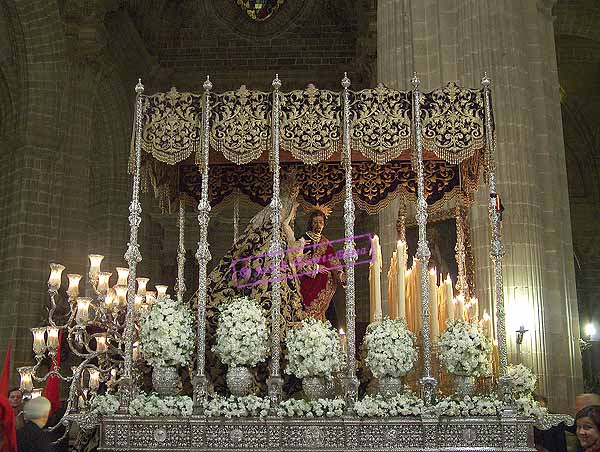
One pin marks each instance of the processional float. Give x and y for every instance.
(174, 134)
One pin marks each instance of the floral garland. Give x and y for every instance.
(465, 349)
(468, 406)
(233, 406)
(313, 408)
(242, 338)
(314, 350)
(522, 379)
(153, 405)
(390, 349)
(407, 404)
(104, 404)
(167, 334)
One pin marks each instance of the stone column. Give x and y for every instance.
(513, 41)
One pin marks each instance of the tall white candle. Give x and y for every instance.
(449, 297)
(401, 271)
(460, 306)
(392, 289)
(376, 274)
(433, 305)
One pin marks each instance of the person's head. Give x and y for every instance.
(15, 397)
(37, 410)
(542, 400)
(316, 221)
(586, 399)
(588, 426)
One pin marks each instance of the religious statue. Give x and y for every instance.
(320, 269)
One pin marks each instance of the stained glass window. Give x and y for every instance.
(260, 10)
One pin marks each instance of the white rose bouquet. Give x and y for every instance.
(167, 334)
(465, 349)
(522, 378)
(391, 349)
(153, 405)
(407, 404)
(242, 338)
(104, 404)
(314, 350)
(313, 408)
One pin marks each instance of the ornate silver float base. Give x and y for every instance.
(239, 380)
(390, 386)
(349, 434)
(165, 380)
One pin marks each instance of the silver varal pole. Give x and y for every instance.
(133, 257)
(181, 253)
(350, 256)
(203, 255)
(428, 382)
(275, 383)
(461, 283)
(496, 247)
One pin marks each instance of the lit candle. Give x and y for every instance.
(101, 343)
(52, 341)
(39, 340)
(475, 308)
(26, 374)
(161, 292)
(103, 281)
(375, 279)
(109, 298)
(95, 261)
(73, 289)
(121, 292)
(392, 289)
(433, 305)
(55, 276)
(83, 313)
(400, 275)
(460, 307)
(94, 382)
(136, 351)
(449, 297)
(142, 283)
(487, 325)
(122, 275)
(139, 299)
(343, 340)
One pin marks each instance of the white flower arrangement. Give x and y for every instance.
(313, 408)
(528, 407)
(242, 338)
(104, 404)
(465, 349)
(522, 379)
(390, 349)
(468, 406)
(233, 406)
(407, 404)
(314, 350)
(153, 405)
(167, 334)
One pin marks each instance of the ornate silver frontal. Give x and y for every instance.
(200, 434)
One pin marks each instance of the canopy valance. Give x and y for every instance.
(381, 136)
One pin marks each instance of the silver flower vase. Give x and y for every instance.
(464, 385)
(390, 386)
(165, 380)
(239, 380)
(314, 388)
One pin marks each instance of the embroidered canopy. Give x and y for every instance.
(381, 136)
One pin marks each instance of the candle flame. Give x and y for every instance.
(342, 333)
